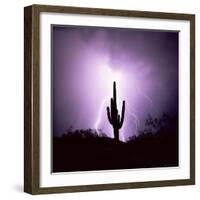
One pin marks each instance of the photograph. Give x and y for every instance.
(114, 98)
(109, 99)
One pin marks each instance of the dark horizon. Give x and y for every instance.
(86, 60)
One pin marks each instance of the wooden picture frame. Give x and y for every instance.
(32, 95)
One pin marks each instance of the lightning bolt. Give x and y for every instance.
(99, 116)
(147, 98)
(136, 119)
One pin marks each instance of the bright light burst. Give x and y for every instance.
(108, 76)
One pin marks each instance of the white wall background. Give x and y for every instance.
(11, 100)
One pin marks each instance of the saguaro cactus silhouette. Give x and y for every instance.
(113, 117)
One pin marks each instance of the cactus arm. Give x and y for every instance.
(109, 116)
(122, 115)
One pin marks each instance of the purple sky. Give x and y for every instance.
(86, 60)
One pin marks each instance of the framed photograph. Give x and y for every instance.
(109, 99)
